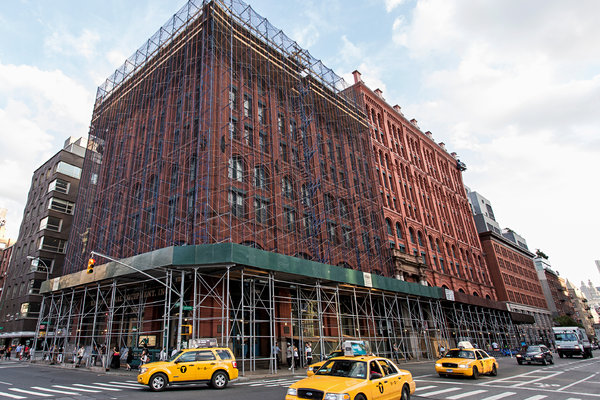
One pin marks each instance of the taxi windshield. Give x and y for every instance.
(460, 354)
(344, 368)
(174, 356)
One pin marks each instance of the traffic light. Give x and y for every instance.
(90, 267)
(186, 330)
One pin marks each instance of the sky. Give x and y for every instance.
(513, 87)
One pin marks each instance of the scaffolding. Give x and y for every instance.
(253, 311)
(222, 129)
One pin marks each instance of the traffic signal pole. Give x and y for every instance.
(180, 293)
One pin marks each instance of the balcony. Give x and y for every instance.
(409, 266)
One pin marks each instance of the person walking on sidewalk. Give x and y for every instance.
(308, 354)
(129, 358)
(296, 357)
(80, 354)
(288, 355)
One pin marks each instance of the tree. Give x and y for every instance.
(565, 320)
(541, 254)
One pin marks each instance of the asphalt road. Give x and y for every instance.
(567, 379)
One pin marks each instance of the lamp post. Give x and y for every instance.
(48, 272)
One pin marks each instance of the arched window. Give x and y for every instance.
(398, 230)
(445, 287)
(411, 232)
(437, 245)
(487, 296)
(388, 223)
(236, 168)
(287, 189)
(420, 238)
(475, 294)
(461, 291)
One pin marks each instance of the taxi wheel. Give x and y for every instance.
(441, 375)
(494, 370)
(219, 380)
(360, 396)
(405, 393)
(158, 382)
(475, 373)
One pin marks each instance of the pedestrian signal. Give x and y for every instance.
(90, 267)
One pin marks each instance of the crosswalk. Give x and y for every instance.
(456, 393)
(75, 389)
(282, 382)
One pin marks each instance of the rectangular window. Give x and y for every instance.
(262, 113)
(34, 287)
(260, 177)
(172, 211)
(280, 124)
(332, 232)
(51, 223)
(233, 129)
(247, 106)
(293, 130)
(283, 151)
(63, 206)
(261, 210)
(232, 98)
(263, 142)
(248, 135)
(236, 203)
(59, 185)
(347, 237)
(290, 219)
(24, 310)
(68, 169)
(52, 244)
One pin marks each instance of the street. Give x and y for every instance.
(567, 379)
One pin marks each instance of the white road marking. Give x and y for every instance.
(112, 386)
(6, 383)
(439, 392)
(78, 389)
(125, 384)
(12, 396)
(536, 397)
(29, 392)
(424, 388)
(500, 396)
(55, 391)
(536, 380)
(579, 381)
(467, 394)
(96, 387)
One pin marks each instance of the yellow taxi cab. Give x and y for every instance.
(355, 378)
(215, 366)
(466, 361)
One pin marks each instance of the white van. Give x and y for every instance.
(572, 340)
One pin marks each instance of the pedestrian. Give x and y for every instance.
(174, 352)
(104, 356)
(288, 355)
(94, 355)
(296, 357)
(26, 352)
(129, 358)
(308, 354)
(18, 351)
(163, 355)
(2, 351)
(442, 350)
(145, 357)
(80, 354)
(276, 350)
(116, 358)
(61, 350)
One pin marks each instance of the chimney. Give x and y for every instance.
(398, 109)
(429, 134)
(442, 145)
(453, 154)
(379, 93)
(357, 77)
(414, 122)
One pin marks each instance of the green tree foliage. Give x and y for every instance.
(565, 320)
(541, 254)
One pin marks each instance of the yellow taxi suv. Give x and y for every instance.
(466, 362)
(355, 378)
(215, 366)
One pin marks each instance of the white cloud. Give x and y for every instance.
(391, 4)
(42, 106)
(517, 98)
(65, 43)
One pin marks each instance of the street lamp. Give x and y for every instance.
(48, 272)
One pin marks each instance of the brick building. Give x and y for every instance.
(429, 223)
(5, 254)
(555, 291)
(40, 249)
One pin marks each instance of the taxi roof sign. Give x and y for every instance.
(200, 343)
(355, 348)
(465, 345)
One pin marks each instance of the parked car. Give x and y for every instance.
(535, 354)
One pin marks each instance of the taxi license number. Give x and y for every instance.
(448, 370)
